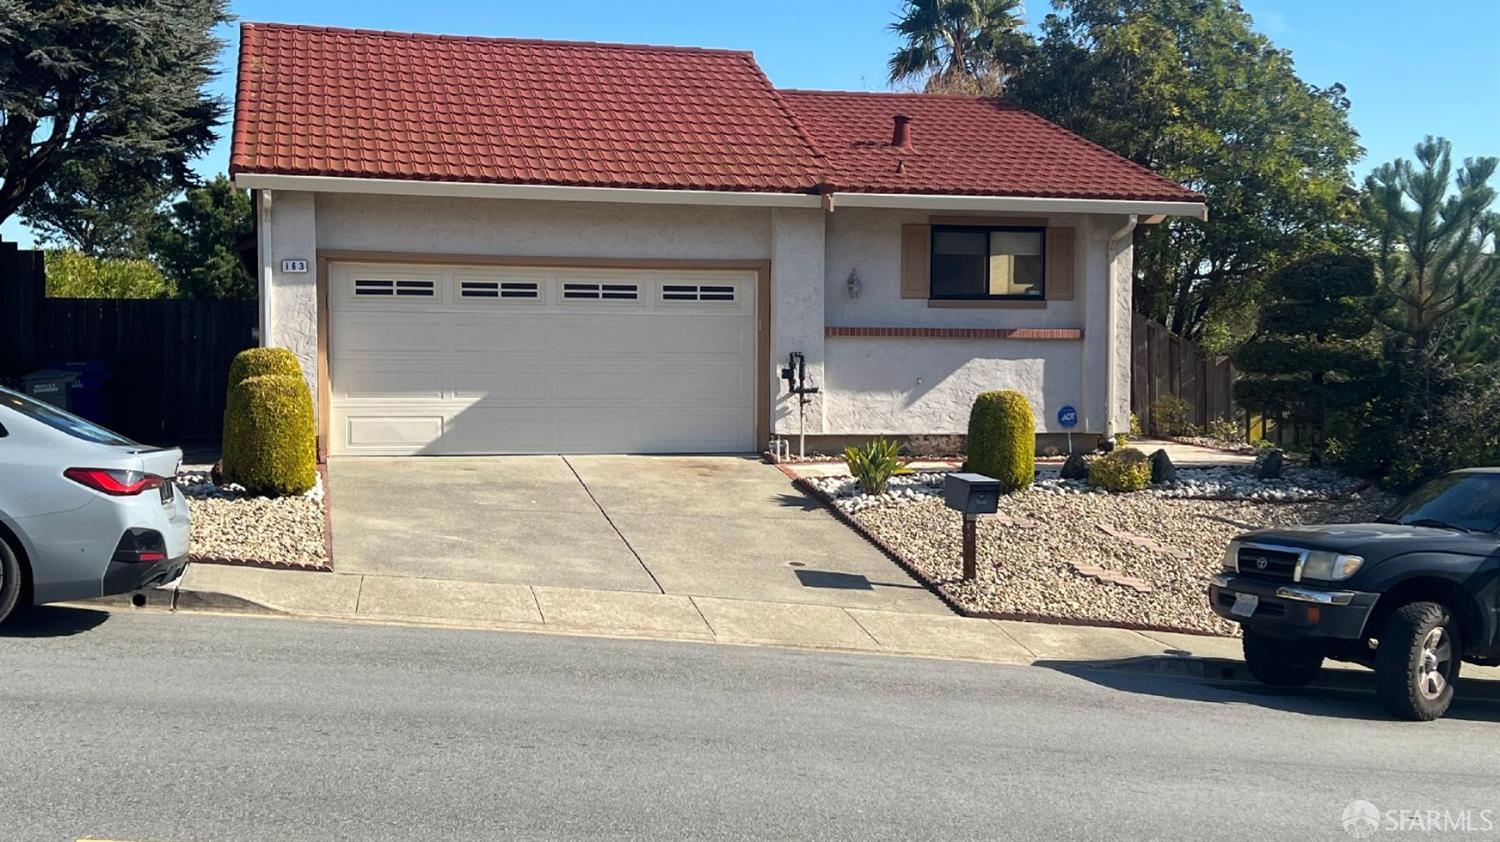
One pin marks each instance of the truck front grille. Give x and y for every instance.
(1268, 563)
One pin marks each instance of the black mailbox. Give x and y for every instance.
(972, 494)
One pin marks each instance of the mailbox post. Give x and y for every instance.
(972, 495)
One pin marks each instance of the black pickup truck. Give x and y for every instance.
(1411, 595)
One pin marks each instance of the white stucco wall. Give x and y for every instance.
(294, 296)
(911, 385)
(797, 318)
(870, 385)
(544, 229)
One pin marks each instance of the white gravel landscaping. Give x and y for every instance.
(1170, 537)
(232, 525)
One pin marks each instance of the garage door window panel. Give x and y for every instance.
(494, 291)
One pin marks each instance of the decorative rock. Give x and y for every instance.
(1162, 469)
(1268, 465)
(1076, 467)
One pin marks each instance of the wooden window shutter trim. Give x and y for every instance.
(916, 261)
(1061, 251)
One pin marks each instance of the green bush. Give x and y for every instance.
(1126, 469)
(72, 274)
(1169, 416)
(1224, 429)
(1002, 439)
(255, 362)
(873, 465)
(269, 445)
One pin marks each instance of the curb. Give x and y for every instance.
(188, 600)
(1225, 670)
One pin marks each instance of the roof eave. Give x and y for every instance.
(541, 192)
(911, 201)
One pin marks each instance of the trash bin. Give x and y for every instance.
(88, 391)
(52, 386)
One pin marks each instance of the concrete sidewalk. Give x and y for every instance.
(375, 598)
(435, 602)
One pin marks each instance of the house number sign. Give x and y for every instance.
(292, 266)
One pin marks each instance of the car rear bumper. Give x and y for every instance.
(1288, 609)
(122, 577)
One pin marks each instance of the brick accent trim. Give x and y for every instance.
(1031, 333)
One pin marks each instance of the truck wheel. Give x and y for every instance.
(1281, 663)
(10, 581)
(1417, 663)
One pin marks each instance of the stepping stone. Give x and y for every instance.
(1110, 577)
(1145, 543)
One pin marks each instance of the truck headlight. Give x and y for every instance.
(1330, 566)
(1232, 557)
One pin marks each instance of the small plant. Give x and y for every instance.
(1126, 469)
(254, 362)
(1170, 416)
(1121, 440)
(269, 445)
(1002, 439)
(1135, 426)
(1224, 429)
(1051, 452)
(873, 465)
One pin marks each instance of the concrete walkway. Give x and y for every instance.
(702, 526)
(209, 588)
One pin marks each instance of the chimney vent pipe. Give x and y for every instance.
(901, 133)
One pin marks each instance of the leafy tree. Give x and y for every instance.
(1310, 355)
(1189, 89)
(72, 274)
(960, 46)
(106, 84)
(97, 209)
(1434, 237)
(197, 244)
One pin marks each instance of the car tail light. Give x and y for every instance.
(140, 546)
(115, 483)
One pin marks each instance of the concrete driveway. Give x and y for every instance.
(720, 526)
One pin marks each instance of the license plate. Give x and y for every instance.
(1244, 604)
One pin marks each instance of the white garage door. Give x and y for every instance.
(458, 359)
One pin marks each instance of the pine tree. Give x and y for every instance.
(1312, 354)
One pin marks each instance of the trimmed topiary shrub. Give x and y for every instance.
(1126, 469)
(254, 362)
(1002, 439)
(269, 445)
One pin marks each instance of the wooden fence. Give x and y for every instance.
(1162, 363)
(167, 359)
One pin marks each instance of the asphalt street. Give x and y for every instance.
(136, 726)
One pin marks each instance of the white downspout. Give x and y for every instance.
(1111, 347)
(266, 265)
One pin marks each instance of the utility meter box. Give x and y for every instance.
(972, 494)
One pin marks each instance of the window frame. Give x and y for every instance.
(932, 255)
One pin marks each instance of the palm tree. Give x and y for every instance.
(969, 46)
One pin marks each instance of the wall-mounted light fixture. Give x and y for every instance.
(853, 283)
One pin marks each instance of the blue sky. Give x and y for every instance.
(1411, 68)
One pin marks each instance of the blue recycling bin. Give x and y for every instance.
(87, 395)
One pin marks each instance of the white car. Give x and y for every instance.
(84, 512)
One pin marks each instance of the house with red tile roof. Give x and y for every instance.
(490, 245)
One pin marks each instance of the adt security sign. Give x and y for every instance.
(1067, 417)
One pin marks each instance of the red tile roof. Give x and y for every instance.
(967, 146)
(365, 104)
(341, 102)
